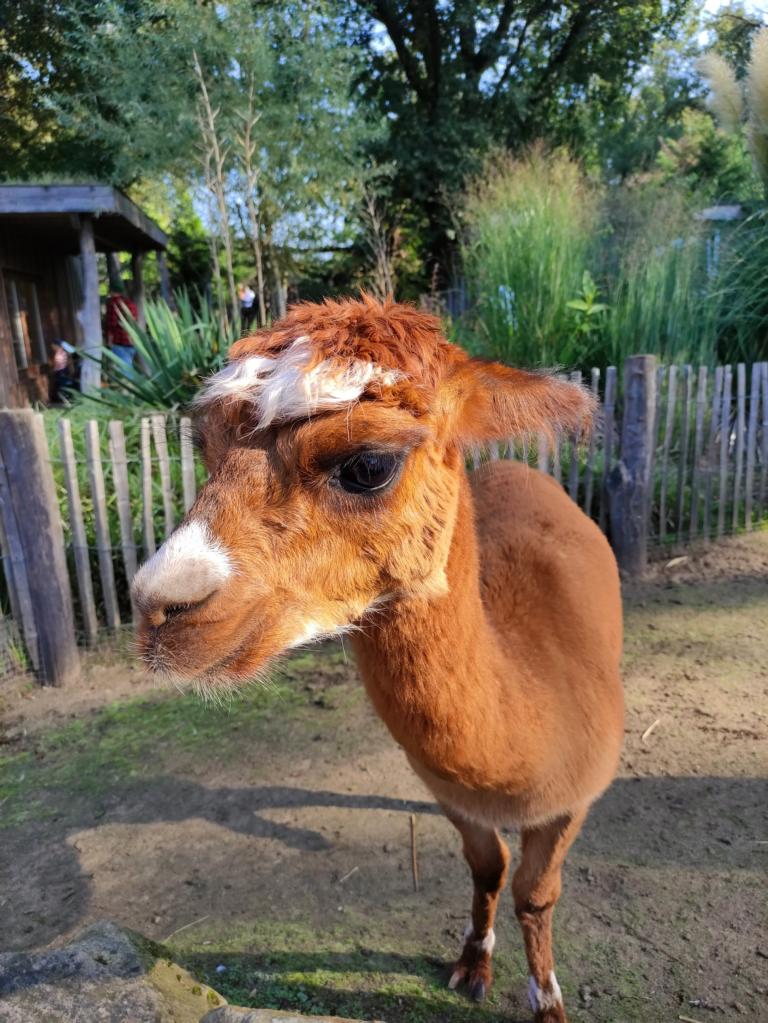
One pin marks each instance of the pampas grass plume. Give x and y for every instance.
(725, 99)
(757, 81)
(757, 95)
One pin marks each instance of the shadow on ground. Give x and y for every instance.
(646, 822)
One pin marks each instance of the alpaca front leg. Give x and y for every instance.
(536, 888)
(488, 859)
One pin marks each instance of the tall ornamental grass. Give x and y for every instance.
(532, 227)
(742, 291)
(564, 272)
(658, 276)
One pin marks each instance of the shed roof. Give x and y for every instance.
(50, 213)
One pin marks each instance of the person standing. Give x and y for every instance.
(118, 338)
(247, 297)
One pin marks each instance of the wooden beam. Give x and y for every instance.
(97, 200)
(56, 198)
(31, 507)
(113, 271)
(10, 389)
(89, 313)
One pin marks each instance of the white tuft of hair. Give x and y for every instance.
(541, 999)
(285, 388)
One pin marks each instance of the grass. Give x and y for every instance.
(348, 969)
(659, 296)
(139, 738)
(289, 966)
(531, 233)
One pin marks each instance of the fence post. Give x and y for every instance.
(630, 483)
(31, 512)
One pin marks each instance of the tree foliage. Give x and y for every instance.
(454, 79)
(340, 100)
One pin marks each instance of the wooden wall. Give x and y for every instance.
(47, 267)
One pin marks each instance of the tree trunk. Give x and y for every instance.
(166, 292)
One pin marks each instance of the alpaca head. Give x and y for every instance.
(334, 442)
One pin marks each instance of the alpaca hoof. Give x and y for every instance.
(554, 1015)
(476, 973)
(474, 965)
(477, 991)
(456, 978)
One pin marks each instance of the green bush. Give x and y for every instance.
(660, 297)
(742, 293)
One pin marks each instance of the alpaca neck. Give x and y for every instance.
(438, 676)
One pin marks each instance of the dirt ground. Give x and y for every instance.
(268, 841)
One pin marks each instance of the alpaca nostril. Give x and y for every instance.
(166, 613)
(189, 569)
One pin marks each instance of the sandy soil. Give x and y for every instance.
(278, 846)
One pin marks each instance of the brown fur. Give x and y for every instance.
(488, 612)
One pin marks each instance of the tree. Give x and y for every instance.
(741, 106)
(189, 261)
(455, 78)
(35, 59)
(156, 78)
(731, 29)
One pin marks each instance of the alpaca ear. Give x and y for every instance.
(489, 401)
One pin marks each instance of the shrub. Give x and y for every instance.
(659, 288)
(742, 290)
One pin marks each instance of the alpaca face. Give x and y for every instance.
(335, 459)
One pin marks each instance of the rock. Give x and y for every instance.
(230, 1014)
(104, 975)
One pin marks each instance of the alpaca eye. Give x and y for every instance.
(368, 473)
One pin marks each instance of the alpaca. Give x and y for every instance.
(484, 610)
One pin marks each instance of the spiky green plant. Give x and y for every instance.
(175, 352)
(743, 293)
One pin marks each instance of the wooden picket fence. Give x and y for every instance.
(142, 483)
(707, 453)
(676, 454)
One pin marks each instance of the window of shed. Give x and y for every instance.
(26, 327)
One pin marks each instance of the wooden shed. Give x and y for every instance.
(49, 276)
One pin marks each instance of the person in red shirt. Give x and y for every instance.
(118, 338)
